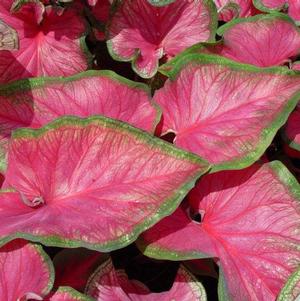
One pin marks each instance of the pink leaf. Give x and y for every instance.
(292, 130)
(51, 48)
(67, 294)
(250, 221)
(108, 284)
(263, 40)
(225, 112)
(243, 8)
(143, 33)
(35, 103)
(25, 271)
(73, 267)
(108, 171)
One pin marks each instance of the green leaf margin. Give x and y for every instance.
(155, 251)
(286, 294)
(74, 294)
(167, 208)
(268, 133)
(30, 84)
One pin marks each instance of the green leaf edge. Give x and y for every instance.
(48, 262)
(268, 133)
(157, 252)
(222, 287)
(261, 17)
(260, 6)
(160, 2)
(211, 7)
(73, 293)
(167, 208)
(30, 84)
(287, 290)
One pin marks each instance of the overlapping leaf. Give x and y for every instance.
(25, 271)
(271, 5)
(108, 284)
(228, 9)
(143, 34)
(292, 130)
(33, 103)
(92, 182)
(51, 47)
(225, 112)
(67, 294)
(250, 221)
(8, 37)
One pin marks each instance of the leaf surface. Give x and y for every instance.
(108, 284)
(35, 102)
(142, 33)
(263, 40)
(96, 183)
(250, 221)
(67, 294)
(225, 112)
(292, 130)
(25, 270)
(51, 48)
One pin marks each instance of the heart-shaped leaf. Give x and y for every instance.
(48, 48)
(108, 284)
(108, 171)
(250, 221)
(35, 102)
(223, 111)
(25, 271)
(142, 33)
(245, 40)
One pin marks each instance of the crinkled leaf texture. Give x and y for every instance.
(108, 284)
(25, 270)
(35, 102)
(271, 5)
(292, 130)
(51, 48)
(228, 9)
(142, 33)
(223, 111)
(67, 294)
(73, 267)
(250, 221)
(245, 40)
(9, 39)
(95, 182)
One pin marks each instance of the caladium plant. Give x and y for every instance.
(169, 174)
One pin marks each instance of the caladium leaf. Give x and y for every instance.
(226, 112)
(67, 294)
(8, 37)
(275, 5)
(291, 290)
(229, 9)
(292, 130)
(250, 221)
(108, 171)
(245, 40)
(108, 284)
(51, 48)
(73, 267)
(25, 271)
(142, 33)
(35, 102)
